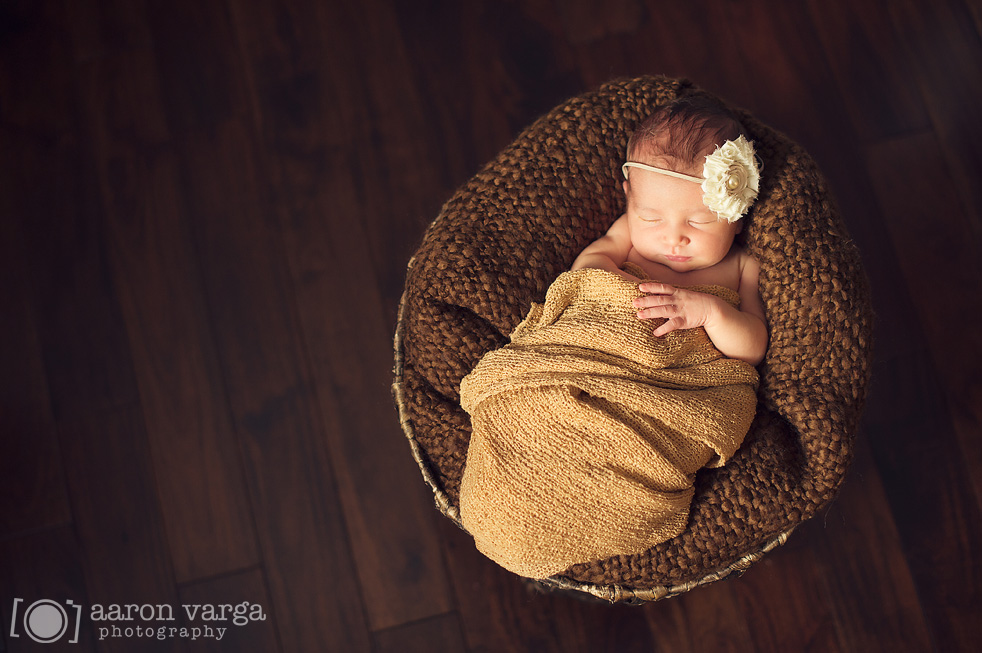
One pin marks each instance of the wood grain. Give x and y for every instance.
(195, 453)
(32, 476)
(937, 380)
(118, 523)
(945, 53)
(293, 493)
(441, 633)
(868, 58)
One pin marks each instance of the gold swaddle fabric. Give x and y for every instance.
(587, 430)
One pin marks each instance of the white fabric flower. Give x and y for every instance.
(731, 179)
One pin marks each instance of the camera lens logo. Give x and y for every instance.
(46, 621)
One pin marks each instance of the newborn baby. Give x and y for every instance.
(589, 426)
(679, 228)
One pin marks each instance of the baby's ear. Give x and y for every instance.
(626, 185)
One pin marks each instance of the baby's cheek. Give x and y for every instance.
(718, 248)
(645, 244)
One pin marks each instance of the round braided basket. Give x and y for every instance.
(509, 231)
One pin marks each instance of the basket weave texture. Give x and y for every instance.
(507, 233)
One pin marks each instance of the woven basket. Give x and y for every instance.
(509, 231)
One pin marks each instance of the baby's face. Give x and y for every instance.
(670, 224)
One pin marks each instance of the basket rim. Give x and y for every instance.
(443, 503)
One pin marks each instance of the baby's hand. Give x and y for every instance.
(682, 309)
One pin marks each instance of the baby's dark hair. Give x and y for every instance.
(683, 132)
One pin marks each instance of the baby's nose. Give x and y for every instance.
(677, 237)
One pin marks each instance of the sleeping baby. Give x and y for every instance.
(679, 227)
(635, 372)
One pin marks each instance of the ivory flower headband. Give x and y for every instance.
(730, 178)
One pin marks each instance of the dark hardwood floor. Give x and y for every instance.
(206, 211)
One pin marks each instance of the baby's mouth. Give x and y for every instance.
(677, 259)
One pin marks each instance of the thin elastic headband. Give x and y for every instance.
(663, 171)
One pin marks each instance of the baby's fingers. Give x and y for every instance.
(669, 326)
(651, 311)
(648, 301)
(656, 288)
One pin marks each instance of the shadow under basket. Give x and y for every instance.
(508, 232)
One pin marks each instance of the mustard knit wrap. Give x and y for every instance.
(588, 430)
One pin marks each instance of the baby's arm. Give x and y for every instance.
(609, 252)
(737, 333)
(742, 333)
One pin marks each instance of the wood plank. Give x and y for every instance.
(784, 599)
(247, 628)
(716, 619)
(941, 491)
(104, 27)
(302, 533)
(196, 48)
(34, 78)
(118, 521)
(584, 22)
(520, 68)
(870, 592)
(907, 416)
(444, 44)
(32, 478)
(196, 460)
(389, 511)
(441, 633)
(694, 40)
(480, 587)
(668, 621)
(82, 335)
(975, 7)
(326, 214)
(484, 71)
(867, 59)
(44, 565)
(120, 533)
(949, 298)
(931, 500)
(945, 52)
(790, 79)
(87, 362)
(394, 185)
